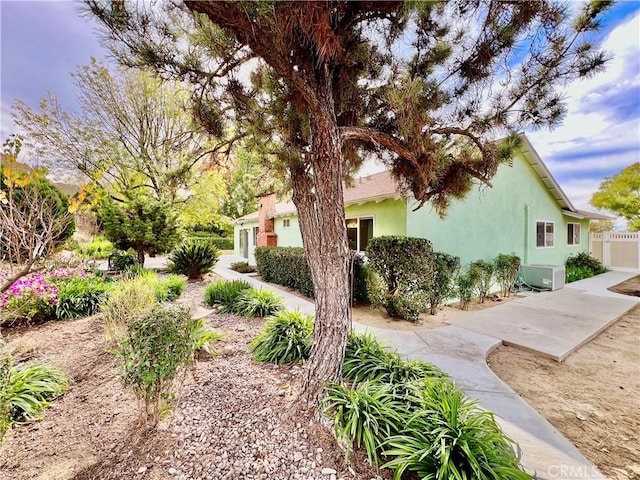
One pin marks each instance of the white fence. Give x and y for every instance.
(617, 250)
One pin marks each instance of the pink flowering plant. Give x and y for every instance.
(28, 298)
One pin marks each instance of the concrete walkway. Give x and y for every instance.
(538, 323)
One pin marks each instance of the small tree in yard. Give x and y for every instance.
(142, 223)
(330, 83)
(506, 271)
(621, 194)
(405, 265)
(35, 217)
(445, 268)
(484, 274)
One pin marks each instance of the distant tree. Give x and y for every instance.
(134, 132)
(427, 86)
(621, 194)
(143, 223)
(35, 217)
(202, 209)
(598, 226)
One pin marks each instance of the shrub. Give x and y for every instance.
(202, 337)
(506, 270)
(286, 338)
(80, 297)
(573, 274)
(222, 292)
(288, 266)
(585, 261)
(155, 350)
(405, 265)
(365, 415)
(445, 268)
(242, 267)
(121, 260)
(258, 303)
(173, 285)
(193, 260)
(448, 436)
(359, 280)
(128, 300)
(484, 278)
(466, 286)
(222, 243)
(98, 248)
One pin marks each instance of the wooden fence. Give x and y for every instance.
(617, 250)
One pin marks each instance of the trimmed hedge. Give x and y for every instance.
(288, 266)
(221, 243)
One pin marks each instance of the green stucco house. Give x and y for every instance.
(525, 212)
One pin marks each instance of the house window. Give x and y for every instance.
(286, 223)
(544, 234)
(255, 236)
(359, 232)
(573, 234)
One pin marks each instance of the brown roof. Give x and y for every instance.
(377, 186)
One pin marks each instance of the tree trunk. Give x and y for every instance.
(140, 253)
(317, 194)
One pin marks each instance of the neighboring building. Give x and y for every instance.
(525, 212)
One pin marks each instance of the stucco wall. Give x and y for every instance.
(389, 216)
(501, 219)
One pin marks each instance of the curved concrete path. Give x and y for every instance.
(461, 351)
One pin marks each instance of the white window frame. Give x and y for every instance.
(545, 222)
(363, 217)
(286, 223)
(574, 234)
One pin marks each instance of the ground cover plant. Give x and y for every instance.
(193, 259)
(242, 267)
(80, 296)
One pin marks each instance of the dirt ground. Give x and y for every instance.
(94, 431)
(593, 397)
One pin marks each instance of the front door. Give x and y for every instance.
(244, 243)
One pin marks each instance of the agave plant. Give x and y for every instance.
(193, 259)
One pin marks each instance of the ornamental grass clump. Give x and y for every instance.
(223, 292)
(258, 303)
(286, 338)
(129, 300)
(448, 436)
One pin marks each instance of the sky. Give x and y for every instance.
(42, 42)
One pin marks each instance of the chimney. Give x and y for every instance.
(266, 211)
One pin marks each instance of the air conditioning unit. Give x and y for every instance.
(546, 277)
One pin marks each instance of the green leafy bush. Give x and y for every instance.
(364, 416)
(170, 288)
(484, 275)
(258, 303)
(288, 266)
(582, 266)
(445, 268)
(80, 297)
(286, 338)
(222, 243)
(242, 267)
(506, 271)
(98, 248)
(155, 350)
(128, 300)
(405, 265)
(193, 260)
(449, 436)
(121, 260)
(466, 286)
(222, 292)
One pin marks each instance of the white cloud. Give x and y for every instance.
(601, 122)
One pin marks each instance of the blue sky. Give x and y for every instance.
(42, 42)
